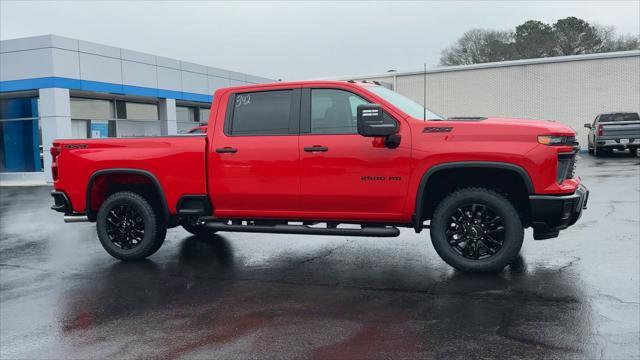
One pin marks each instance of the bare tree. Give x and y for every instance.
(478, 46)
(535, 39)
(614, 42)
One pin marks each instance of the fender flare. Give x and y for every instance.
(91, 215)
(417, 215)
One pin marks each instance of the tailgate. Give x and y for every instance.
(621, 129)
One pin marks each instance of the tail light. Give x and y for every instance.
(55, 151)
(600, 130)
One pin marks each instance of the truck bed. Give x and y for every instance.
(176, 162)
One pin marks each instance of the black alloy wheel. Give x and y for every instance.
(475, 231)
(129, 227)
(125, 226)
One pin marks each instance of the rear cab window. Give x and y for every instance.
(262, 113)
(619, 117)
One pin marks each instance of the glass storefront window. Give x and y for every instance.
(91, 109)
(138, 128)
(185, 118)
(185, 114)
(140, 111)
(92, 129)
(19, 135)
(204, 115)
(92, 118)
(79, 128)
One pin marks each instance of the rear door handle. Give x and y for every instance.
(316, 148)
(226, 150)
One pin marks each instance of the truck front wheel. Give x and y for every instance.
(477, 230)
(128, 227)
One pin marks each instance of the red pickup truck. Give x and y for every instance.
(329, 158)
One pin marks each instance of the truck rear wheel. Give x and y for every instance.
(477, 230)
(128, 227)
(599, 151)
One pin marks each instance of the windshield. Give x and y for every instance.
(407, 105)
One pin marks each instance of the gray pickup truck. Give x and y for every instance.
(611, 131)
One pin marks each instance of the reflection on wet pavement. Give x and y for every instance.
(287, 296)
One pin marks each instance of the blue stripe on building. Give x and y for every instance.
(98, 86)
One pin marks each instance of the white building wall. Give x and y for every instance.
(139, 74)
(25, 64)
(100, 68)
(169, 79)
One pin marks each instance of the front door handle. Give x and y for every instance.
(316, 148)
(226, 150)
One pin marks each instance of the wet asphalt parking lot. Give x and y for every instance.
(237, 295)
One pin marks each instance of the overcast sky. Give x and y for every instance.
(295, 40)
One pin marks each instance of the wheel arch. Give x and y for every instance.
(152, 179)
(418, 216)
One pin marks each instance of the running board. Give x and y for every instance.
(308, 230)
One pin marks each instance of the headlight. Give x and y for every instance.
(557, 140)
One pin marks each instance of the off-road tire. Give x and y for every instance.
(155, 228)
(600, 151)
(501, 206)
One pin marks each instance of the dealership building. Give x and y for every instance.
(56, 87)
(568, 89)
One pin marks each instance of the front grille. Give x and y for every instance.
(566, 166)
(572, 167)
(571, 140)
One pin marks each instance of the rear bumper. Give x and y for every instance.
(550, 213)
(618, 142)
(61, 202)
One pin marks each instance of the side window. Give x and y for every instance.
(595, 121)
(262, 113)
(334, 111)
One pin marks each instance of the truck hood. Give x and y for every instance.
(543, 126)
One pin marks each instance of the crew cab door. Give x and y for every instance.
(345, 176)
(253, 158)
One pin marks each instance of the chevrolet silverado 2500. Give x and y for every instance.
(328, 158)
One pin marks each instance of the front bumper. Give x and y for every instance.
(551, 213)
